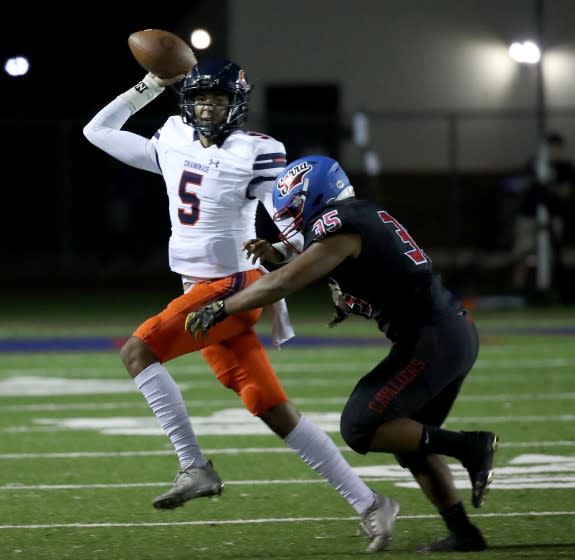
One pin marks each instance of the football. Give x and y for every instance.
(161, 52)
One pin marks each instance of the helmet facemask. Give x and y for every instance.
(218, 77)
(235, 114)
(292, 210)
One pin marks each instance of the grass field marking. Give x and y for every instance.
(229, 451)
(270, 520)
(514, 419)
(526, 471)
(517, 397)
(308, 401)
(301, 366)
(43, 386)
(521, 484)
(233, 421)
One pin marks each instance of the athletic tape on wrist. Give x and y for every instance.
(142, 93)
(287, 255)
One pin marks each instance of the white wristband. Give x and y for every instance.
(285, 252)
(142, 93)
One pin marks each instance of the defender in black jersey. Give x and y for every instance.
(377, 270)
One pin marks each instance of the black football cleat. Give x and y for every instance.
(471, 541)
(479, 465)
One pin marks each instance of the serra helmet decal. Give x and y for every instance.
(293, 178)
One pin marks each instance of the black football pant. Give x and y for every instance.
(420, 378)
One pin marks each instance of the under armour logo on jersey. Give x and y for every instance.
(214, 163)
(293, 178)
(141, 87)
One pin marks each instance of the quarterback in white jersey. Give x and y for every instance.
(213, 192)
(215, 173)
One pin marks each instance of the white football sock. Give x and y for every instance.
(167, 403)
(319, 451)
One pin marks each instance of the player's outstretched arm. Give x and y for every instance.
(316, 262)
(104, 130)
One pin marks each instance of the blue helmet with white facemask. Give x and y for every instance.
(305, 187)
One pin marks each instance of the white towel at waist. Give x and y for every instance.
(282, 329)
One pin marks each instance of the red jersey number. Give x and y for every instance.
(329, 222)
(414, 253)
(190, 213)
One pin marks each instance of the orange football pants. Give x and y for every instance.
(232, 348)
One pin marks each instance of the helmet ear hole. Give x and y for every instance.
(316, 201)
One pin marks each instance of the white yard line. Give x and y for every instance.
(245, 424)
(232, 451)
(339, 366)
(261, 521)
(311, 401)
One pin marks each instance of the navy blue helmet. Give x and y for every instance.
(305, 187)
(219, 76)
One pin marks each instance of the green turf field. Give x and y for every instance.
(82, 456)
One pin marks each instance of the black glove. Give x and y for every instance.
(341, 308)
(199, 322)
(346, 305)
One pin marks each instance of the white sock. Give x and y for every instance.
(167, 403)
(319, 451)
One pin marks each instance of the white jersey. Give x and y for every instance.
(212, 192)
(213, 195)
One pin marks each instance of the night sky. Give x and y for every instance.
(59, 190)
(77, 64)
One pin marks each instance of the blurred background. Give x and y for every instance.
(426, 104)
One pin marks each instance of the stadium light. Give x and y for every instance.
(529, 52)
(200, 39)
(526, 52)
(17, 66)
